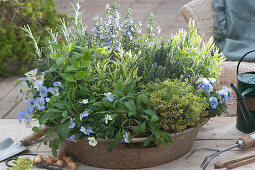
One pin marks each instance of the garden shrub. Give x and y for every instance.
(178, 104)
(16, 54)
(184, 55)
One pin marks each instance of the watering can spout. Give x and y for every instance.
(241, 102)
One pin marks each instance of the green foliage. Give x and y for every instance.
(21, 164)
(183, 56)
(177, 104)
(90, 84)
(15, 49)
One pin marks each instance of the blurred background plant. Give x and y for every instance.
(16, 51)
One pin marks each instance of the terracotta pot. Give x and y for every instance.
(125, 158)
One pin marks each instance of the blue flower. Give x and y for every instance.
(86, 132)
(28, 121)
(44, 91)
(39, 103)
(71, 139)
(222, 95)
(54, 91)
(38, 84)
(204, 85)
(58, 84)
(21, 116)
(25, 79)
(24, 97)
(212, 81)
(72, 124)
(29, 111)
(84, 114)
(108, 97)
(228, 90)
(213, 102)
(158, 30)
(126, 137)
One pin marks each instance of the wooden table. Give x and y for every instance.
(219, 132)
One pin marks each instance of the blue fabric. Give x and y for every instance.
(235, 28)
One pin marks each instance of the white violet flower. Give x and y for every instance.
(32, 73)
(47, 99)
(107, 118)
(84, 101)
(126, 137)
(92, 141)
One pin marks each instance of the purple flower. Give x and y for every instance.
(213, 102)
(44, 91)
(85, 131)
(72, 124)
(71, 139)
(39, 103)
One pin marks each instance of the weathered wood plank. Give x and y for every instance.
(6, 86)
(9, 102)
(12, 114)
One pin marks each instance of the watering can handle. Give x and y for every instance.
(237, 69)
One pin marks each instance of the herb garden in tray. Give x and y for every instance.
(114, 94)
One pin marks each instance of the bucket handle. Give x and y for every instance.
(237, 69)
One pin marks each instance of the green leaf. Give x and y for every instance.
(115, 142)
(36, 129)
(140, 128)
(154, 118)
(54, 152)
(118, 93)
(148, 140)
(131, 105)
(60, 60)
(53, 110)
(145, 117)
(48, 116)
(50, 131)
(121, 109)
(150, 112)
(64, 114)
(71, 46)
(71, 68)
(53, 68)
(107, 103)
(60, 106)
(64, 119)
(55, 143)
(139, 99)
(98, 104)
(131, 114)
(154, 131)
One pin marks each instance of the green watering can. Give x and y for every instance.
(245, 96)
